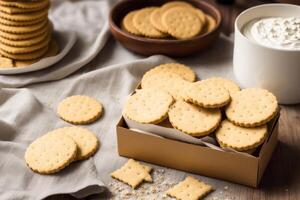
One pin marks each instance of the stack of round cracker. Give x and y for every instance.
(197, 106)
(57, 149)
(176, 19)
(25, 32)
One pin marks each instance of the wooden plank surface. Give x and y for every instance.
(282, 178)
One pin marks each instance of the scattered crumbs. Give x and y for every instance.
(156, 190)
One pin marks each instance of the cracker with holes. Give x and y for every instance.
(252, 107)
(133, 173)
(141, 22)
(127, 23)
(207, 94)
(148, 106)
(182, 70)
(194, 120)
(169, 82)
(80, 109)
(190, 189)
(50, 153)
(240, 138)
(85, 140)
(181, 22)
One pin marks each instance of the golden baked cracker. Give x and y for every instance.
(16, 10)
(201, 16)
(181, 23)
(23, 29)
(25, 16)
(25, 4)
(173, 4)
(127, 23)
(133, 173)
(22, 23)
(52, 51)
(240, 138)
(26, 42)
(86, 141)
(148, 106)
(80, 109)
(210, 24)
(27, 49)
(252, 107)
(25, 56)
(141, 21)
(24, 36)
(6, 62)
(169, 82)
(194, 120)
(190, 189)
(182, 70)
(50, 153)
(207, 94)
(155, 19)
(229, 85)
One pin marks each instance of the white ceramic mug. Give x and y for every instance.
(256, 65)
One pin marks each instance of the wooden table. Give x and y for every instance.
(282, 178)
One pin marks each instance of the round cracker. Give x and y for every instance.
(26, 23)
(50, 153)
(26, 42)
(207, 94)
(52, 51)
(16, 10)
(27, 49)
(25, 16)
(155, 19)
(180, 69)
(25, 4)
(80, 109)
(6, 62)
(86, 141)
(201, 16)
(169, 82)
(240, 138)
(127, 23)
(252, 107)
(141, 21)
(194, 120)
(181, 23)
(13, 36)
(229, 85)
(148, 106)
(23, 29)
(210, 24)
(25, 56)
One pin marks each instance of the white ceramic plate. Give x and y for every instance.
(65, 41)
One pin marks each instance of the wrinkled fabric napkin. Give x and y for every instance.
(27, 113)
(89, 19)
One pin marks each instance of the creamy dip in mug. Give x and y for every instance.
(274, 32)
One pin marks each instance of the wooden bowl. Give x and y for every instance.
(169, 47)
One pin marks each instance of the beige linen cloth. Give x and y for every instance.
(28, 103)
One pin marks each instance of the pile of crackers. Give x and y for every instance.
(215, 106)
(173, 20)
(57, 149)
(25, 32)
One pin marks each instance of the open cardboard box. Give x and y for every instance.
(230, 166)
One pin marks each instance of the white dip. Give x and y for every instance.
(275, 32)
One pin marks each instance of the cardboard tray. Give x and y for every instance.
(230, 166)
